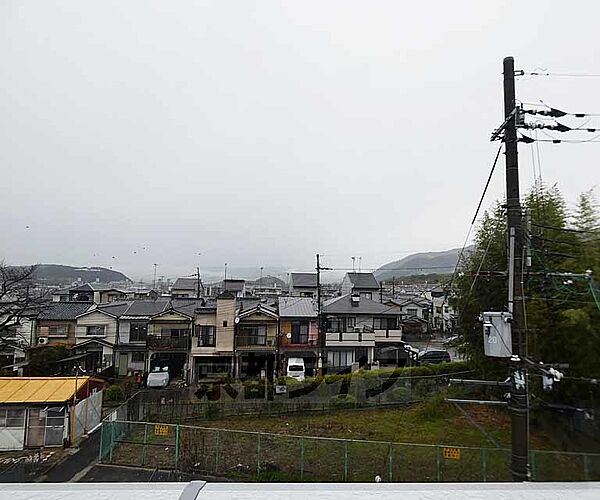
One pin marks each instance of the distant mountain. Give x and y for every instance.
(268, 281)
(420, 263)
(59, 274)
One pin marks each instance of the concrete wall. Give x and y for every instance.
(225, 313)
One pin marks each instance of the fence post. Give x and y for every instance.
(145, 443)
(101, 439)
(218, 455)
(258, 454)
(345, 460)
(177, 447)
(112, 442)
(301, 458)
(586, 468)
(390, 471)
(484, 464)
(438, 464)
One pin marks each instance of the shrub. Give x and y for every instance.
(343, 400)
(113, 393)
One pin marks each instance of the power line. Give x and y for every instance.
(559, 75)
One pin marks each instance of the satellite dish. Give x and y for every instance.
(288, 335)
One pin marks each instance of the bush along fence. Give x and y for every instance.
(324, 394)
(258, 456)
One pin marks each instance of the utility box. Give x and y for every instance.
(497, 334)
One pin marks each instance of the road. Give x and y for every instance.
(77, 464)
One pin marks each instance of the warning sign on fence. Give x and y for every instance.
(451, 453)
(161, 430)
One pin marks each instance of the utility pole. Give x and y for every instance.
(320, 331)
(518, 394)
(154, 280)
(393, 287)
(198, 282)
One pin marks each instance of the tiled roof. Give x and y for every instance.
(343, 305)
(303, 280)
(63, 311)
(185, 284)
(364, 280)
(297, 307)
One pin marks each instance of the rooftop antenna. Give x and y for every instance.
(154, 280)
(359, 263)
(353, 261)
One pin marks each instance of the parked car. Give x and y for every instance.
(296, 369)
(158, 378)
(452, 341)
(434, 357)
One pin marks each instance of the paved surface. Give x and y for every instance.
(73, 465)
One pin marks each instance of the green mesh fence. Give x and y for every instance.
(257, 456)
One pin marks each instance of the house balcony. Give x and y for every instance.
(255, 342)
(388, 335)
(155, 342)
(350, 339)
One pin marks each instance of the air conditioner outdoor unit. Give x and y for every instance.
(42, 340)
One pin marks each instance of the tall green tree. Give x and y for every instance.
(562, 316)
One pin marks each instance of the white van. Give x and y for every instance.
(296, 369)
(158, 378)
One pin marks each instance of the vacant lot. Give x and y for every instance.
(402, 444)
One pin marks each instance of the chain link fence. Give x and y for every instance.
(259, 456)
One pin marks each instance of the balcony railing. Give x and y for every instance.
(157, 342)
(354, 338)
(254, 340)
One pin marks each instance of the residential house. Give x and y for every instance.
(363, 284)
(237, 287)
(169, 340)
(132, 348)
(97, 293)
(57, 324)
(354, 327)
(186, 288)
(41, 412)
(256, 338)
(96, 335)
(212, 347)
(416, 314)
(303, 285)
(443, 318)
(298, 332)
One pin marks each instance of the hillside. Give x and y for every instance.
(59, 274)
(420, 263)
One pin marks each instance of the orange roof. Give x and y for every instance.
(39, 389)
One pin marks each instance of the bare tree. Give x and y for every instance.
(18, 299)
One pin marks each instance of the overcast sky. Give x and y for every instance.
(261, 132)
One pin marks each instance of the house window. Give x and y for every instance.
(138, 332)
(58, 331)
(138, 357)
(412, 312)
(95, 330)
(300, 332)
(12, 418)
(252, 335)
(446, 309)
(438, 310)
(385, 323)
(174, 333)
(225, 324)
(366, 295)
(350, 323)
(340, 359)
(335, 325)
(206, 335)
